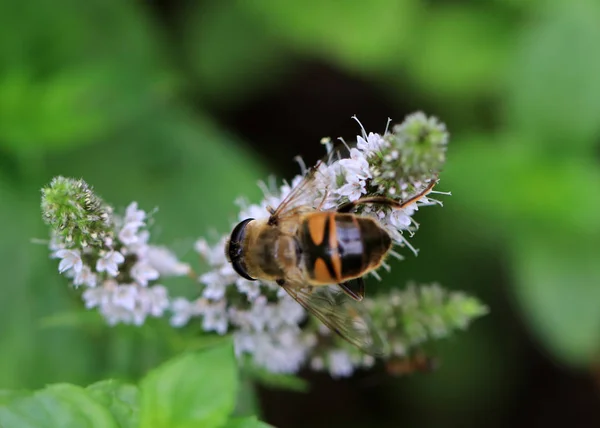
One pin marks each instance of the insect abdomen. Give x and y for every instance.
(374, 244)
(339, 247)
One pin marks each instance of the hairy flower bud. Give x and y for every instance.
(75, 213)
(421, 143)
(412, 154)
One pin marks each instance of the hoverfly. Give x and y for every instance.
(304, 249)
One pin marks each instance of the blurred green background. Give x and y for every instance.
(184, 105)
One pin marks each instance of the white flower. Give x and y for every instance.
(201, 246)
(140, 246)
(133, 215)
(110, 262)
(215, 286)
(401, 219)
(138, 315)
(325, 183)
(353, 189)
(142, 272)
(356, 166)
(165, 261)
(127, 303)
(373, 143)
(217, 280)
(326, 175)
(295, 181)
(269, 331)
(254, 318)
(128, 235)
(182, 310)
(56, 243)
(94, 297)
(71, 259)
(317, 363)
(125, 296)
(283, 351)
(340, 364)
(215, 317)
(214, 256)
(85, 277)
(260, 313)
(116, 314)
(286, 312)
(368, 361)
(249, 288)
(156, 300)
(253, 211)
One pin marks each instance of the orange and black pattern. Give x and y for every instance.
(338, 247)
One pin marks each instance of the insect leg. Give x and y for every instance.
(383, 200)
(355, 288)
(323, 200)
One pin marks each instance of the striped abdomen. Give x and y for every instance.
(338, 247)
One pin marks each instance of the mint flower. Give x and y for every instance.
(109, 262)
(111, 258)
(71, 259)
(106, 254)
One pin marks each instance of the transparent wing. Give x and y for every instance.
(296, 197)
(296, 200)
(341, 314)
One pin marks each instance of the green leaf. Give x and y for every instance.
(120, 398)
(250, 422)
(557, 284)
(7, 395)
(554, 89)
(276, 380)
(61, 405)
(196, 389)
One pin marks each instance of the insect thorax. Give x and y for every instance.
(273, 254)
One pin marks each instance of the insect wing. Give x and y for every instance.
(297, 201)
(341, 314)
(296, 197)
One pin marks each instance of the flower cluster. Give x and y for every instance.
(106, 254)
(408, 318)
(111, 257)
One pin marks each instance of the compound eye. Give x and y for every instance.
(240, 268)
(235, 252)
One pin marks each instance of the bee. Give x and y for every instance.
(304, 250)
